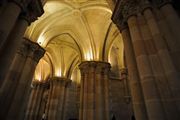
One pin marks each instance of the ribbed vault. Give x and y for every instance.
(75, 31)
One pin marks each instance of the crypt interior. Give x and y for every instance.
(90, 59)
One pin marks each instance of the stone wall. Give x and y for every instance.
(120, 105)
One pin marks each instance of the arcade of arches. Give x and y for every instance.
(90, 59)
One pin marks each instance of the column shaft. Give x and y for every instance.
(8, 18)
(152, 99)
(57, 97)
(134, 80)
(20, 100)
(13, 42)
(172, 43)
(36, 99)
(94, 104)
(10, 83)
(172, 19)
(165, 58)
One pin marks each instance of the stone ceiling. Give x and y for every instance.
(72, 31)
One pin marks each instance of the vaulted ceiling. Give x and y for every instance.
(72, 31)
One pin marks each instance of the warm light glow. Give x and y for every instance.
(89, 56)
(59, 73)
(38, 77)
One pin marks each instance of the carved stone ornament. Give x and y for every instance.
(161, 3)
(123, 10)
(32, 11)
(35, 51)
(128, 8)
(98, 66)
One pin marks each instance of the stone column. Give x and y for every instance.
(134, 80)
(171, 16)
(8, 17)
(8, 53)
(10, 83)
(152, 99)
(20, 99)
(36, 99)
(164, 55)
(173, 25)
(172, 43)
(14, 39)
(94, 101)
(57, 98)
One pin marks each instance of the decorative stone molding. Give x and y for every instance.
(63, 81)
(44, 84)
(123, 10)
(129, 8)
(32, 11)
(23, 49)
(98, 66)
(35, 51)
(122, 24)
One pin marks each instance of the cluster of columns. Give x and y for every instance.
(18, 56)
(15, 89)
(37, 100)
(152, 45)
(94, 93)
(15, 16)
(48, 99)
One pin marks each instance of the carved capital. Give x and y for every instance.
(123, 10)
(60, 81)
(32, 11)
(35, 51)
(96, 66)
(121, 24)
(23, 48)
(40, 84)
(128, 8)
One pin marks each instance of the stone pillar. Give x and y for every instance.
(170, 39)
(35, 107)
(134, 80)
(14, 39)
(11, 81)
(8, 17)
(8, 53)
(20, 99)
(152, 99)
(57, 100)
(173, 25)
(164, 55)
(171, 16)
(94, 101)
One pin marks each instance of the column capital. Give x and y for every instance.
(121, 24)
(33, 11)
(35, 51)
(63, 81)
(123, 10)
(98, 66)
(43, 84)
(23, 49)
